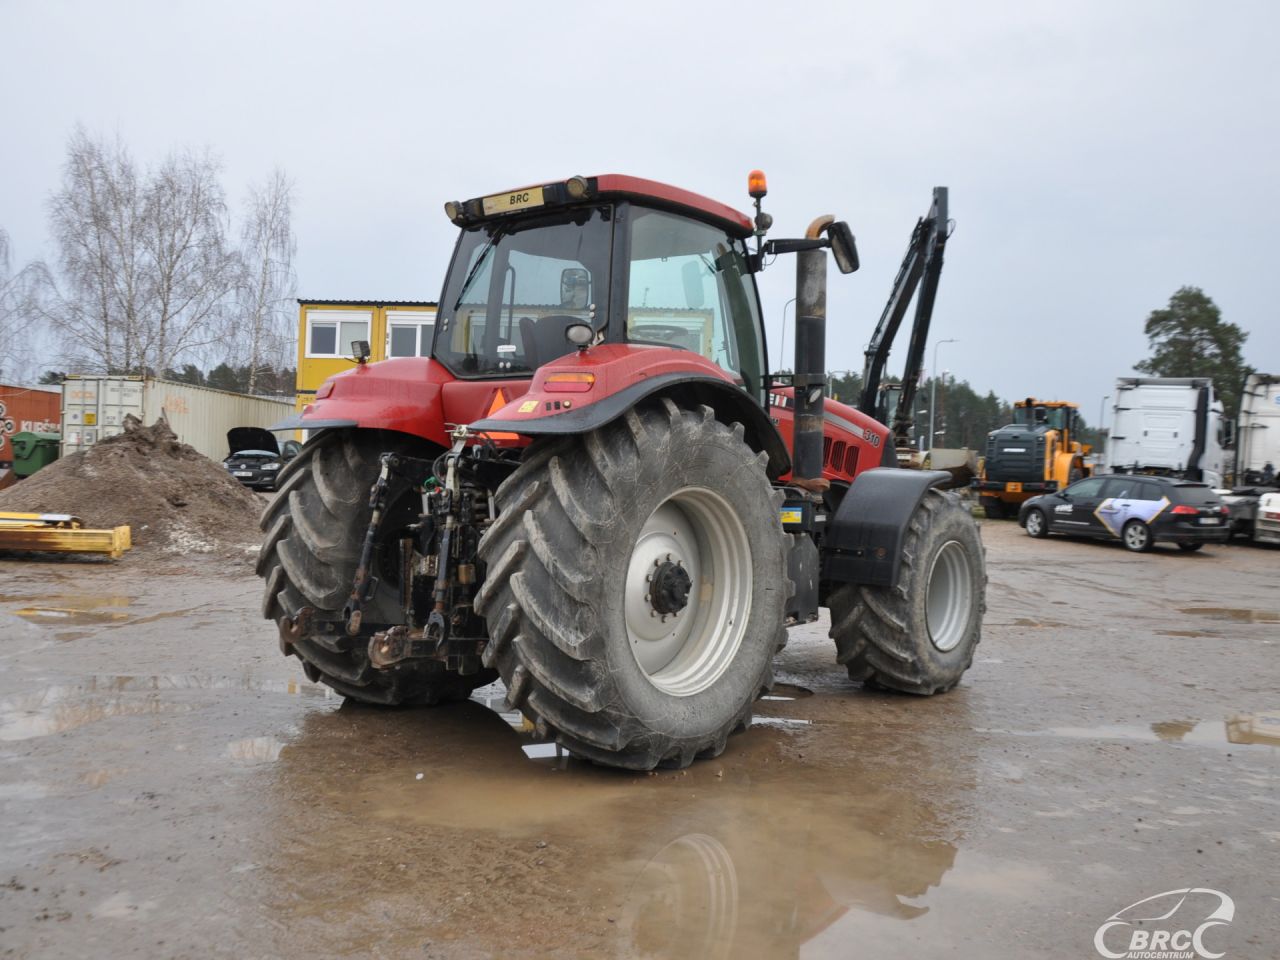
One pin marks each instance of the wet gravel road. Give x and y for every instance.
(170, 786)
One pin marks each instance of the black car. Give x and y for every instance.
(256, 458)
(1137, 510)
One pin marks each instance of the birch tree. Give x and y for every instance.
(147, 273)
(96, 224)
(267, 281)
(18, 329)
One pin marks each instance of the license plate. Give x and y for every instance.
(1210, 520)
(241, 473)
(1013, 487)
(510, 202)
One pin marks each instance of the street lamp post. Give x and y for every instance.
(782, 362)
(1102, 413)
(933, 387)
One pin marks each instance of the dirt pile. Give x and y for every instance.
(176, 501)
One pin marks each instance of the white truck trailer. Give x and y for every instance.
(1169, 426)
(1255, 499)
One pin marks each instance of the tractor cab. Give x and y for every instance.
(539, 273)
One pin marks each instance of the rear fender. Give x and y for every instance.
(624, 376)
(863, 543)
(401, 394)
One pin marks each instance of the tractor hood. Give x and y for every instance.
(251, 438)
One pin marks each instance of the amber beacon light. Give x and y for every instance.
(757, 187)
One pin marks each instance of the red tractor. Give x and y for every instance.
(595, 489)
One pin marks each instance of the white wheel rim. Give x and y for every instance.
(949, 597)
(1135, 536)
(1033, 523)
(685, 652)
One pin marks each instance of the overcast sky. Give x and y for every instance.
(1099, 155)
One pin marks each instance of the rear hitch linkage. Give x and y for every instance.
(445, 536)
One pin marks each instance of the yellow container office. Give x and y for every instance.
(327, 328)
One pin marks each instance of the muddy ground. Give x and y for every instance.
(170, 786)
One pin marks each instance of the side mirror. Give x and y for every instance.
(575, 288)
(691, 276)
(843, 246)
(290, 450)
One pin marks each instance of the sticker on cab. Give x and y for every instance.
(529, 406)
(792, 515)
(510, 202)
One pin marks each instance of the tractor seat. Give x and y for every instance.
(544, 338)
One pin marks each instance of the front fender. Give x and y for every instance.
(625, 375)
(864, 539)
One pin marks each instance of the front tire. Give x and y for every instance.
(1190, 547)
(1037, 526)
(1136, 536)
(635, 587)
(918, 637)
(315, 528)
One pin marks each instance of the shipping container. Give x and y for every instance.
(94, 408)
(26, 409)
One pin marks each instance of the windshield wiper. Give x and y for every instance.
(475, 267)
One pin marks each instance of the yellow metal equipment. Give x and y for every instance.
(61, 533)
(1038, 453)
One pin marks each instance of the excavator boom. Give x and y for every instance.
(921, 268)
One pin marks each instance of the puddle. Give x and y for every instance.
(54, 710)
(72, 610)
(1258, 729)
(255, 749)
(1188, 633)
(755, 853)
(62, 708)
(1233, 614)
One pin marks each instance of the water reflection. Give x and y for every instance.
(751, 855)
(62, 707)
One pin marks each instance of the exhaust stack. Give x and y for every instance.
(811, 360)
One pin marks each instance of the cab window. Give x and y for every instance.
(690, 288)
(515, 286)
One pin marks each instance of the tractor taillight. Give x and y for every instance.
(569, 382)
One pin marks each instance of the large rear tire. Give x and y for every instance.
(314, 529)
(635, 587)
(920, 636)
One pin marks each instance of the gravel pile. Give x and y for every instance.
(176, 501)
